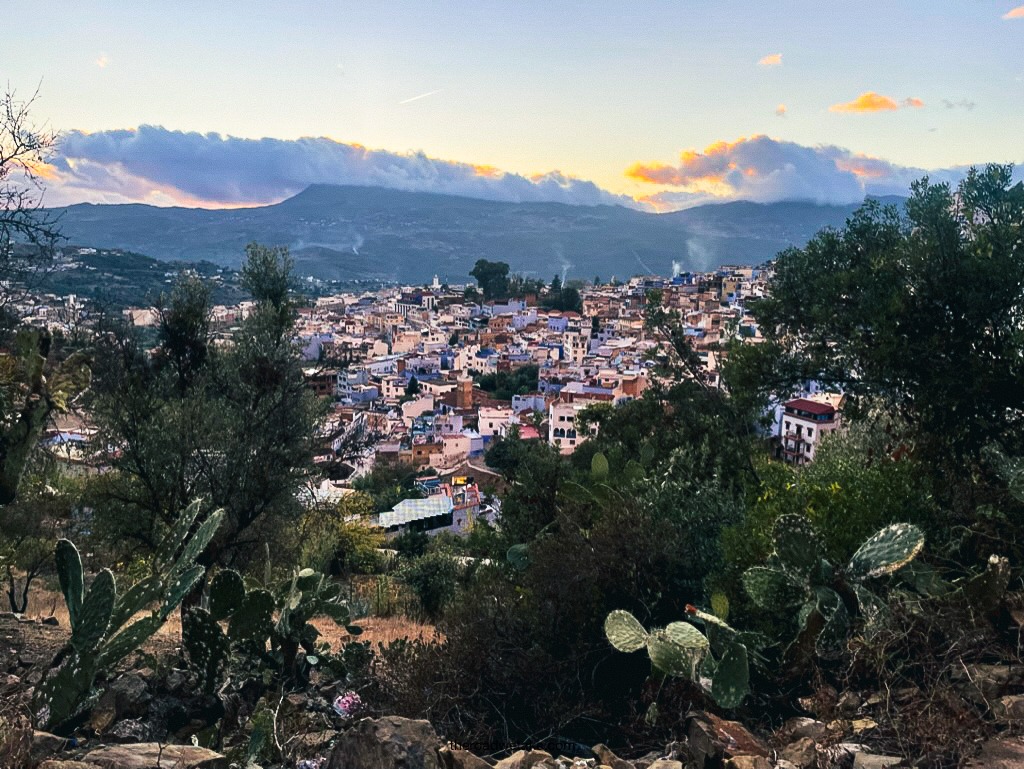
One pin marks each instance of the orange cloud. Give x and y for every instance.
(102, 61)
(1016, 13)
(771, 60)
(781, 110)
(488, 171)
(869, 101)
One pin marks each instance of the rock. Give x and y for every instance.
(153, 755)
(131, 730)
(526, 759)
(748, 762)
(703, 746)
(51, 621)
(314, 742)
(798, 728)
(607, 758)
(45, 744)
(646, 761)
(735, 739)
(849, 703)
(56, 764)
(387, 743)
(784, 764)
(175, 681)
(987, 683)
(871, 761)
(999, 753)
(457, 758)
(666, 763)
(803, 753)
(862, 725)
(127, 697)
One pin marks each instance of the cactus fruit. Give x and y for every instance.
(890, 549)
(682, 650)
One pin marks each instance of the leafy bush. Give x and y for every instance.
(433, 578)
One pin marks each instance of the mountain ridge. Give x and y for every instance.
(354, 232)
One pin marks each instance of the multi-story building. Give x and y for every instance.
(802, 425)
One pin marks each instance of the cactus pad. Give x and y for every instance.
(731, 682)
(675, 651)
(72, 580)
(227, 591)
(624, 632)
(890, 549)
(797, 545)
(94, 617)
(774, 589)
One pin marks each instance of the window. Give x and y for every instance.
(810, 431)
(787, 425)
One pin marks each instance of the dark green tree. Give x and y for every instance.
(918, 312)
(233, 424)
(492, 278)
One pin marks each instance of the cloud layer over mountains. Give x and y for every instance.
(156, 165)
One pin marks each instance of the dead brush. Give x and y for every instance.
(15, 737)
(918, 664)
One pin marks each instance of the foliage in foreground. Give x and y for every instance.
(102, 630)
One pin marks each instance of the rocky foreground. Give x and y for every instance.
(154, 719)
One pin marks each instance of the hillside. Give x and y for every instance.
(347, 233)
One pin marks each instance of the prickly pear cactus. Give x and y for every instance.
(102, 628)
(253, 620)
(71, 577)
(680, 649)
(797, 545)
(206, 647)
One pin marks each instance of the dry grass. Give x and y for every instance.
(47, 603)
(377, 630)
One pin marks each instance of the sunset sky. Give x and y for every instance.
(666, 103)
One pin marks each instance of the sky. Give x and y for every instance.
(653, 104)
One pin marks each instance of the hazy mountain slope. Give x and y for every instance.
(367, 232)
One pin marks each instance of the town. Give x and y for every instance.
(435, 375)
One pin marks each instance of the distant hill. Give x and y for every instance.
(349, 233)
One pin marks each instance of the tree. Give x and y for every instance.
(28, 232)
(234, 425)
(32, 383)
(919, 312)
(492, 278)
(412, 389)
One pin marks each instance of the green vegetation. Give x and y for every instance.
(504, 384)
(102, 633)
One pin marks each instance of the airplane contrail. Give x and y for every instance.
(421, 96)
